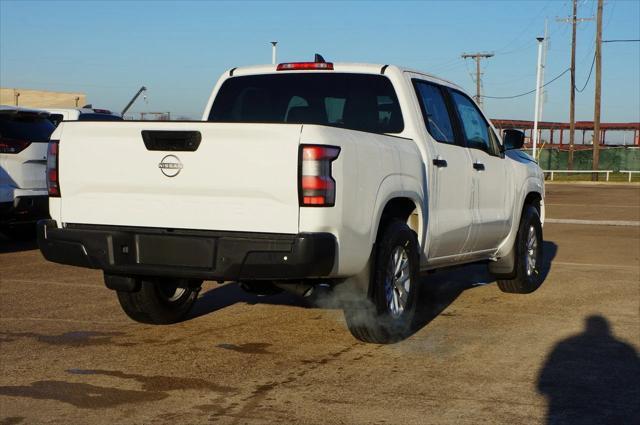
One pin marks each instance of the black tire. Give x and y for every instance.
(525, 280)
(374, 320)
(160, 301)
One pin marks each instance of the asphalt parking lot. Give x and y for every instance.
(567, 353)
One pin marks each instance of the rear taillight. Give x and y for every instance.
(317, 188)
(53, 179)
(303, 66)
(13, 145)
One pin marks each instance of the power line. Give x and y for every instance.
(530, 91)
(594, 61)
(504, 51)
(588, 77)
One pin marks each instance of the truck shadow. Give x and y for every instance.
(8, 246)
(437, 292)
(440, 289)
(229, 294)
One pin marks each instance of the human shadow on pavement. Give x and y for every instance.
(592, 378)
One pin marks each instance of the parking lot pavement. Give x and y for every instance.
(586, 201)
(567, 353)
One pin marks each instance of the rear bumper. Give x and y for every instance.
(24, 209)
(209, 255)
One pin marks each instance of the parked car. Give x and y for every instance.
(86, 113)
(24, 134)
(356, 176)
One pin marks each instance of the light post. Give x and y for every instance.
(273, 52)
(537, 108)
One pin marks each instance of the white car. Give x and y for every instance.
(355, 176)
(24, 134)
(87, 113)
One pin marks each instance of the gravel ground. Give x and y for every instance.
(567, 353)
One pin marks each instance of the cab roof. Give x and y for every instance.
(352, 67)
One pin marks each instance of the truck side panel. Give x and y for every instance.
(366, 161)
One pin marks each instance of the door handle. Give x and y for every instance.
(478, 166)
(439, 162)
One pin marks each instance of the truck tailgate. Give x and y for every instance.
(241, 177)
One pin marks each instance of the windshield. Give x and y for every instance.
(25, 126)
(354, 101)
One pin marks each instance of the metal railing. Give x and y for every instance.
(607, 172)
(630, 172)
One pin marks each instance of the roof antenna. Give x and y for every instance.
(318, 58)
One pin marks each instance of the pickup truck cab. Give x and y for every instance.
(358, 176)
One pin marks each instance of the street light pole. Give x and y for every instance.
(273, 52)
(537, 105)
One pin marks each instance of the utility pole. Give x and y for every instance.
(537, 107)
(596, 112)
(573, 19)
(477, 57)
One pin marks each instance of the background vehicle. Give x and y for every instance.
(87, 113)
(354, 175)
(24, 134)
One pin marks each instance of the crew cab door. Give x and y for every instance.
(493, 197)
(450, 197)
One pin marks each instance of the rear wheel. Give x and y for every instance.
(387, 314)
(160, 301)
(527, 275)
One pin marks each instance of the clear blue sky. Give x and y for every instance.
(178, 49)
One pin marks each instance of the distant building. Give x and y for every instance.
(41, 98)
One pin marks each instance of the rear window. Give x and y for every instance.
(99, 117)
(354, 101)
(25, 126)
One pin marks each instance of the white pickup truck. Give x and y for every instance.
(356, 176)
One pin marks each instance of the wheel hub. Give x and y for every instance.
(531, 251)
(398, 282)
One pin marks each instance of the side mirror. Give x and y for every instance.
(512, 139)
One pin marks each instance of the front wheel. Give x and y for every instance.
(527, 275)
(387, 314)
(160, 301)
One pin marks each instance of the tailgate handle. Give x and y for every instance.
(185, 141)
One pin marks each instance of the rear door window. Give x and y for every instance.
(435, 112)
(355, 101)
(25, 126)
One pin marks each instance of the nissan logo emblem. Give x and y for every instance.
(170, 166)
